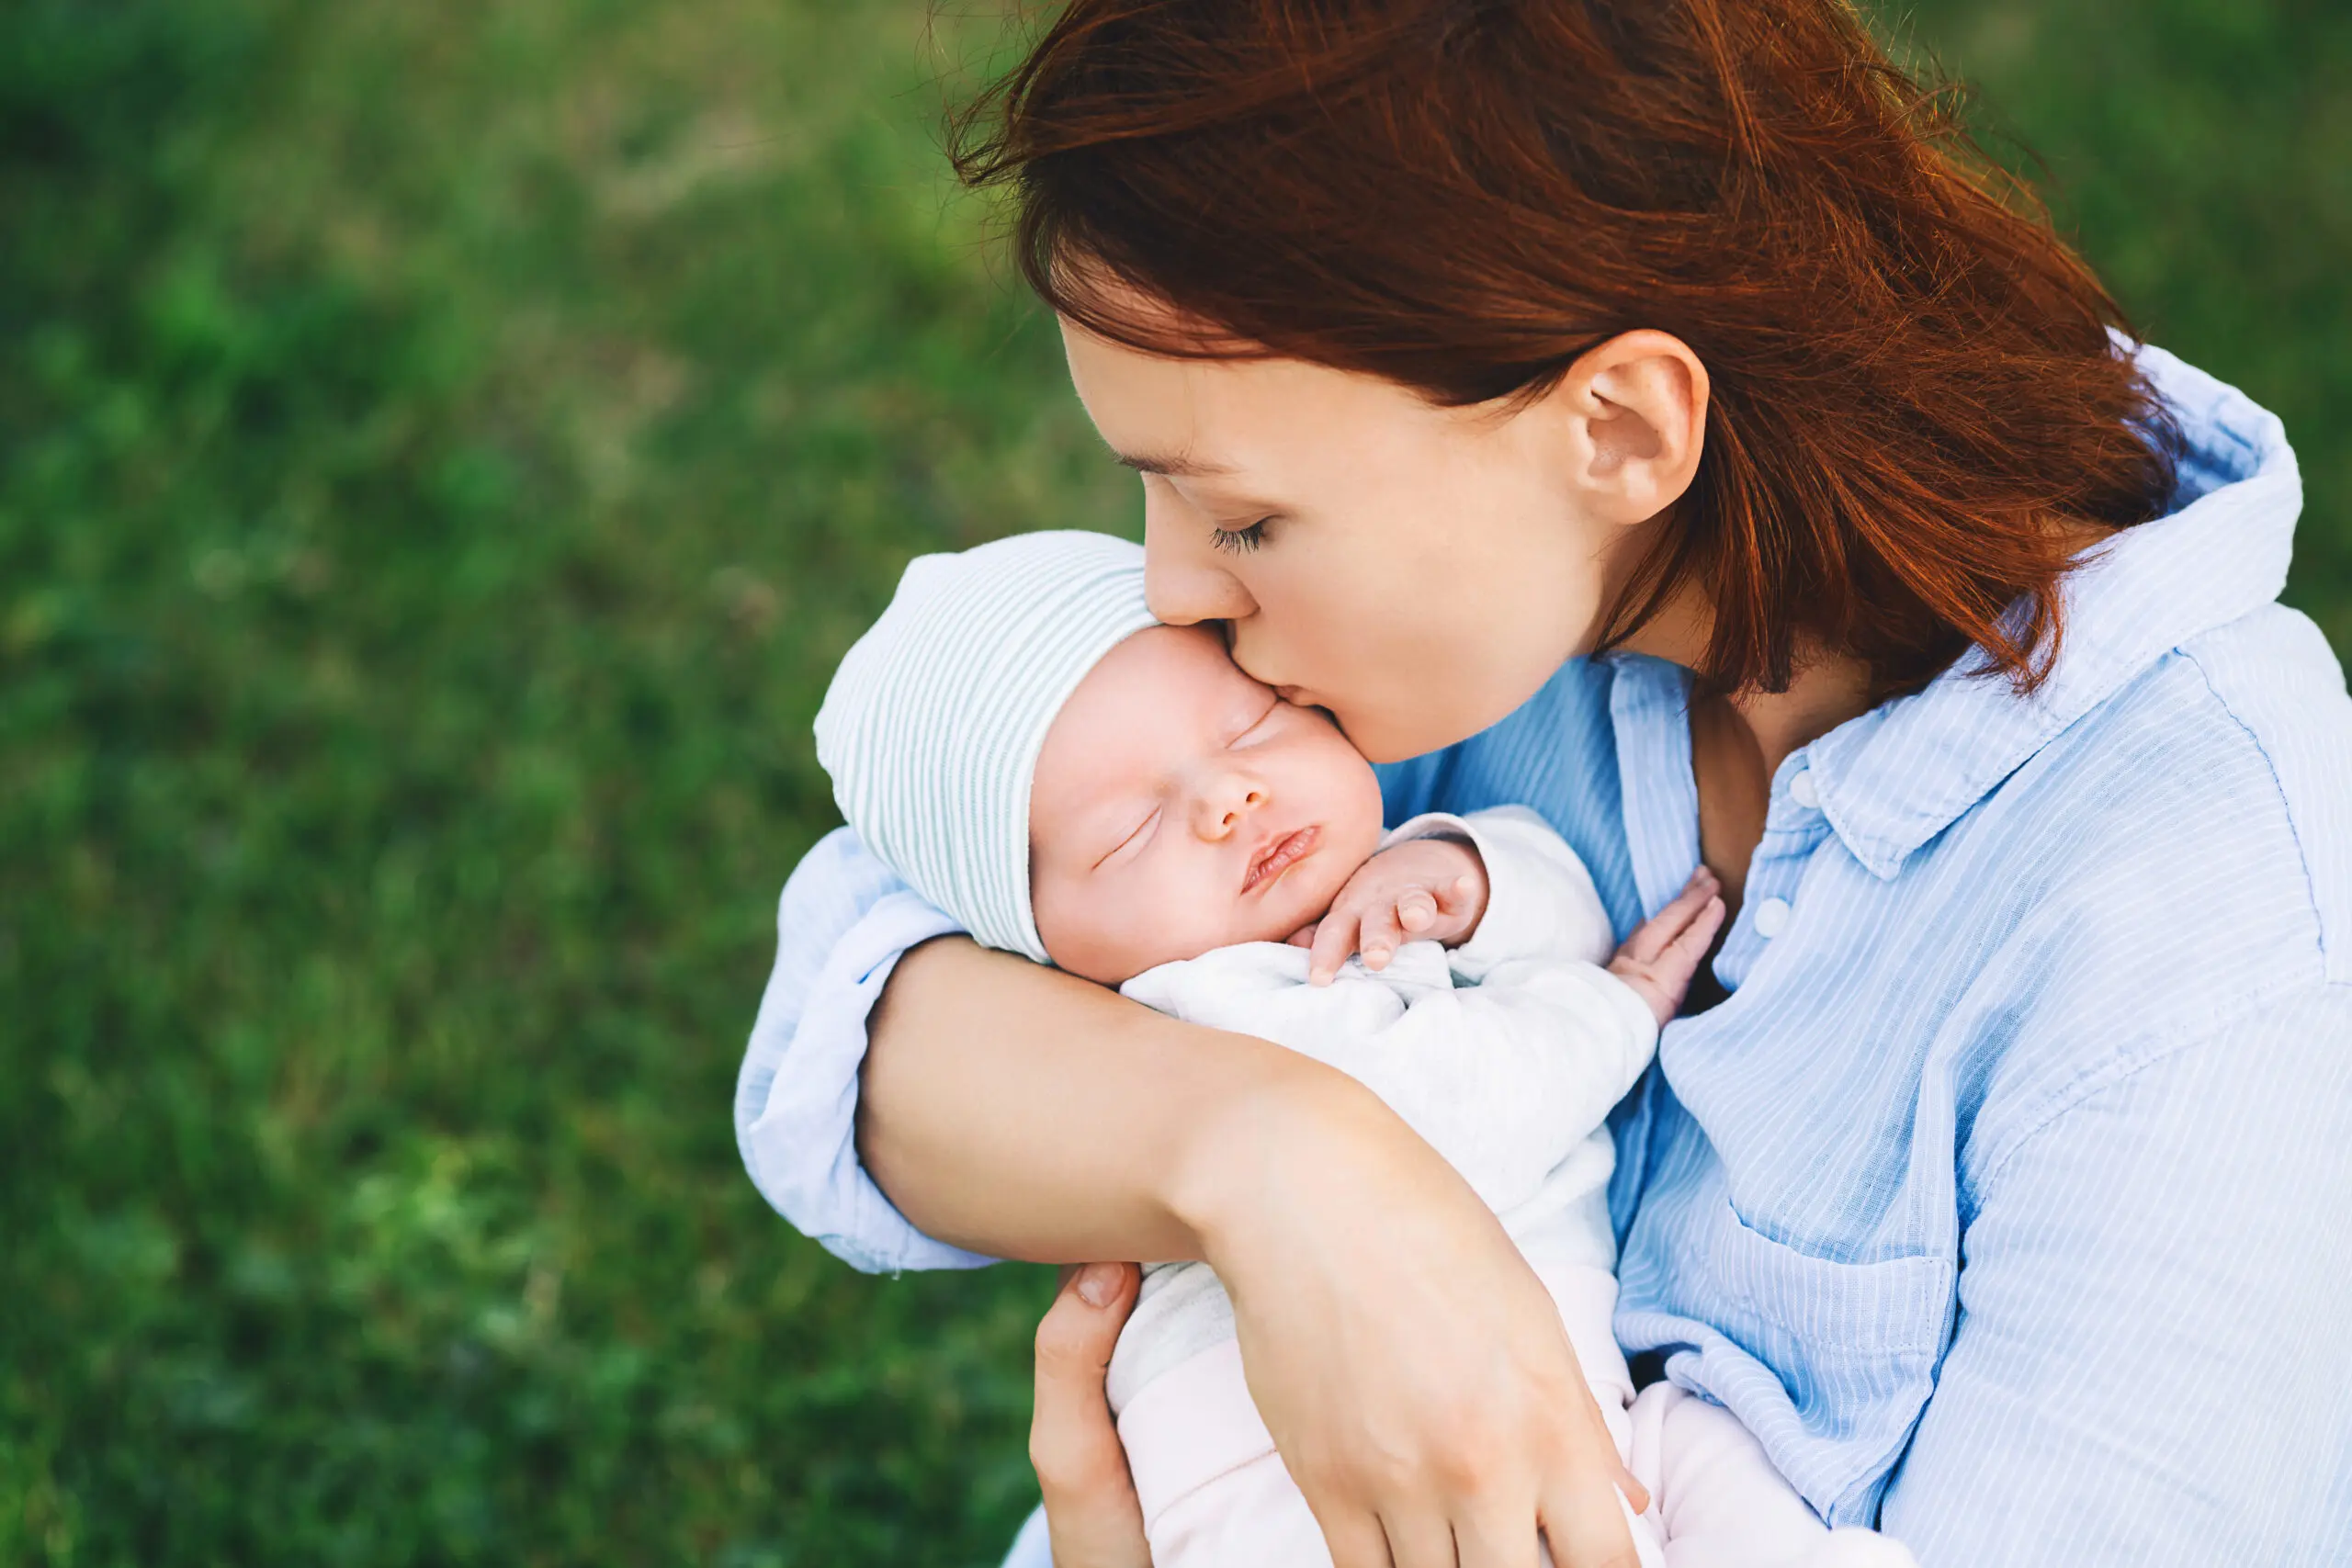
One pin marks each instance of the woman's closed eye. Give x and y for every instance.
(1241, 541)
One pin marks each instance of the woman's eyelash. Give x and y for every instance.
(1239, 541)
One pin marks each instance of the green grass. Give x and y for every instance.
(443, 449)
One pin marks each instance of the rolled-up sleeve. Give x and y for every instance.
(2151, 1361)
(841, 926)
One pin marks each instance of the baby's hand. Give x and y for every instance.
(1423, 890)
(1659, 958)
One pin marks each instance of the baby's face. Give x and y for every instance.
(1180, 807)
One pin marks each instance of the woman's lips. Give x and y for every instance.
(1279, 857)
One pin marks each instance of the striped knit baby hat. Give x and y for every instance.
(933, 725)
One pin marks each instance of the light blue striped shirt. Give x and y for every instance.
(2008, 1196)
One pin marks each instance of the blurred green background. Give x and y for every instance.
(443, 448)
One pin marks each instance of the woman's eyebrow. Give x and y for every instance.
(1177, 464)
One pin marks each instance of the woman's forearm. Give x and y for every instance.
(1403, 1354)
(1017, 1110)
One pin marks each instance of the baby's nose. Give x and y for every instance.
(1222, 810)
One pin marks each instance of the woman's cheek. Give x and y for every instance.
(1312, 633)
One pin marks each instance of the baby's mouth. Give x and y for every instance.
(1280, 856)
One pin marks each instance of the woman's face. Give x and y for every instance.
(1418, 571)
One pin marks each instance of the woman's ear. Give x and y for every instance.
(1630, 419)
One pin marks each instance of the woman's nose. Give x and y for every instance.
(1221, 809)
(1185, 580)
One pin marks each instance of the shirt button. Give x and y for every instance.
(1802, 790)
(1771, 918)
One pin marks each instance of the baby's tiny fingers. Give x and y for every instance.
(1700, 933)
(1380, 938)
(1417, 909)
(1661, 930)
(1334, 938)
(1693, 898)
(1457, 896)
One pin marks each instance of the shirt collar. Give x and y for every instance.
(1898, 775)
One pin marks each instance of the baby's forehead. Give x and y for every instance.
(1149, 699)
(1170, 659)
(1169, 680)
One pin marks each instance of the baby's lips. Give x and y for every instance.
(1288, 852)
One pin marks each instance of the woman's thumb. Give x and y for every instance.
(1078, 1334)
(1091, 1506)
(1099, 1284)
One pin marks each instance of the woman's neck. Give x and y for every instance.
(1822, 696)
(1827, 690)
(1739, 742)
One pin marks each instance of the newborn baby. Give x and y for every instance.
(1031, 751)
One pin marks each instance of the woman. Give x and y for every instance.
(1655, 414)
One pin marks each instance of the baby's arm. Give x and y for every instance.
(1507, 1077)
(1433, 884)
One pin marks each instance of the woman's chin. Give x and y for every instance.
(1390, 741)
(1393, 736)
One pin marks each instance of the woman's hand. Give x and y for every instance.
(1092, 1515)
(1412, 1369)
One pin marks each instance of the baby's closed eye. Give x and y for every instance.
(1134, 841)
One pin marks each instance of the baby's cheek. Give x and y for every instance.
(1090, 927)
(1162, 918)
(1305, 898)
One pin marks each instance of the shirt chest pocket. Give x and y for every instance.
(1828, 1362)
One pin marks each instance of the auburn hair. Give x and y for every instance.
(1920, 395)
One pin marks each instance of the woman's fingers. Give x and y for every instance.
(1584, 1519)
(1630, 1488)
(1424, 1540)
(1498, 1536)
(1091, 1514)
(1355, 1540)
(1407, 1360)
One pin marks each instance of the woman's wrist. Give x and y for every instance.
(1017, 1112)
(1292, 1130)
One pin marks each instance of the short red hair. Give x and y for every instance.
(1914, 386)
